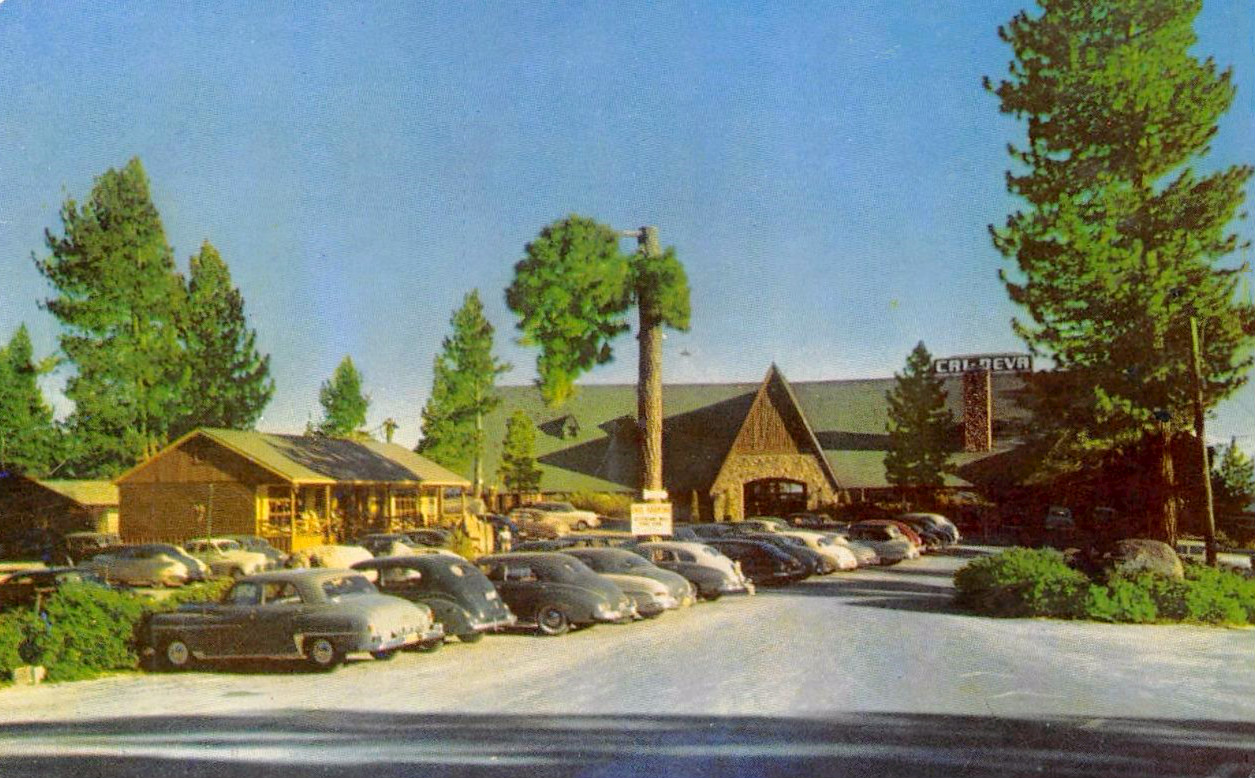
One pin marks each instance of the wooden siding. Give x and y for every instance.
(168, 511)
(765, 430)
(25, 505)
(203, 461)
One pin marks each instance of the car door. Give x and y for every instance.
(230, 627)
(274, 620)
(520, 588)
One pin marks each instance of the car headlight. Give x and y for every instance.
(602, 609)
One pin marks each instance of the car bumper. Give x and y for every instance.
(387, 643)
(494, 626)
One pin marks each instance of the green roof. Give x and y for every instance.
(83, 492)
(589, 444)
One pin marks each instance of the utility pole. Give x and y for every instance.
(1196, 370)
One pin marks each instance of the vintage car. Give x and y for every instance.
(623, 562)
(315, 615)
(25, 588)
(840, 555)
(555, 591)
(763, 563)
(887, 540)
(459, 595)
(227, 557)
(563, 516)
(816, 563)
(328, 556)
(147, 564)
(261, 546)
(712, 573)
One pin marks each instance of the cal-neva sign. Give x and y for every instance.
(994, 363)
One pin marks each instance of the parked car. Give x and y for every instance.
(902, 528)
(762, 563)
(715, 529)
(459, 595)
(863, 552)
(935, 522)
(684, 534)
(762, 524)
(148, 564)
(25, 588)
(81, 546)
(816, 563)
(888, 541)
(226, 557)
(436, 537)
(710, 572)
(564, 517)
(815, 521)
(554, 591)
(623, 562)
(328, 556)
(841, 556)
(530, 525)
(275, 557)
(1196, 551)
(319, 616)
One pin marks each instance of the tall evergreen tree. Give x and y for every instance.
(920, 426)
(28, 435)
(118, 300)
(1120, 241)
(572, 292)
(343, 404)
(463, 392)
(232, 381)
(1232, 480)
(518, 470)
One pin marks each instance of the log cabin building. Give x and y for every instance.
(296, 491)
(739, 449)
(61, 506)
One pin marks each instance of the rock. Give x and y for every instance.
(1137, 555)
(29, 675)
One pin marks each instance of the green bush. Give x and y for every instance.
(1121, 600)
(16, 628)
(90, 630)
(207, 591)
(1022, 582)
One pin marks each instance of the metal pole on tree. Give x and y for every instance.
(1209, 515)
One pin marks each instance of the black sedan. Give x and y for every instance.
(459, 595)
(816, 563)
(554, 591)
(27, 588)
(318, 615)
(761, 562)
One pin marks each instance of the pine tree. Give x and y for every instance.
(463, 392)
(28, 435)
(232, 381)
(920, 426)
(518, 470)
(118, 300)
(343, 404)
(1120, 241)
(572, 292)
(1232, 480)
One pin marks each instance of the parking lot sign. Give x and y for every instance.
(651, 518)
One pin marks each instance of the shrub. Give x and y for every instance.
(603, 503)
(16, 628)
(90, 629)
(1121, 600)
(206, 591)
(1022, 582)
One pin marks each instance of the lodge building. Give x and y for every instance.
(736, 450)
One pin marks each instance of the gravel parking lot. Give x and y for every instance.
(876, 652)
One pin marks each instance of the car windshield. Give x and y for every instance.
(347, 586)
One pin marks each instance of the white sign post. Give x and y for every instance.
(651, 518)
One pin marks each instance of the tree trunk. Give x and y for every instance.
(649, 379)
(1166, 492)
(477, 484)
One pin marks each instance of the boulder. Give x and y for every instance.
(1133, 556)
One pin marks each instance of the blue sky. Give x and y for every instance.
(825, 170)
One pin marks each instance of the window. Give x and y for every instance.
(393, 576)
(244, 593)
(347, 586)
(520, 574)
(280, 593)
(687, 557)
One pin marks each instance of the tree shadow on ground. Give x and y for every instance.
(334, 743)
(908, 595)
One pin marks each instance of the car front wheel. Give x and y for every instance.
(322, 654)
(174, 655)
(552, 620)
(581, 525)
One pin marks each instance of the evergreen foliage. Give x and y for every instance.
(920, 426)
(518, 470)
(232, 381)
(118, 300)
(29, 439)
(1119, 240)
(1232, 480)
(343, 404)
(463, 392)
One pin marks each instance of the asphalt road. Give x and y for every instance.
(865, 673)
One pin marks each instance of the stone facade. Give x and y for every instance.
(978, 412)
(728, 490)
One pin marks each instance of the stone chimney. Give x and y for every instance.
(978, 411)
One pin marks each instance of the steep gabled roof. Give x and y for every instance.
(311, 459)
(87, 493)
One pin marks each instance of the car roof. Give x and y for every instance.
(406, 560)
(679, 545)
(307, 574)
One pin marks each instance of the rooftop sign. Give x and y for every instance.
(994, 363)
